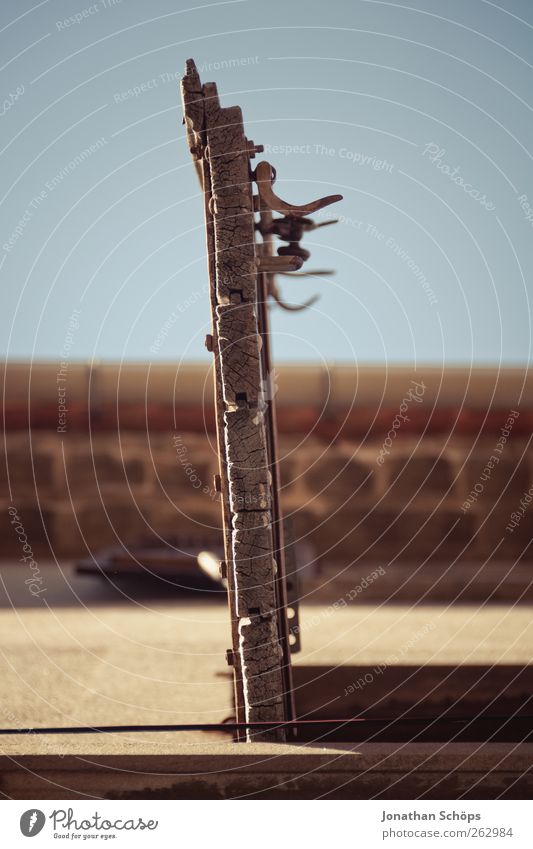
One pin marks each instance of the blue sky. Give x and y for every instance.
(419, 114)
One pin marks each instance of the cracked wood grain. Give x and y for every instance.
(255, 565)
(249, 477)
(239, 350)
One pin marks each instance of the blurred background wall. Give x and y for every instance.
(407, 482)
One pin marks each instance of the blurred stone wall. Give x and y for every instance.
(370, 486)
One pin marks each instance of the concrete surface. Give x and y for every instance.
(85, 654)
(247, 771)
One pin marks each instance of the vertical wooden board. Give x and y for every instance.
(257, 649)
(232, 204)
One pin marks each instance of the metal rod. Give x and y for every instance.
(277, 518)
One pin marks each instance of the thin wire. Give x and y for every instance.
(262, 726)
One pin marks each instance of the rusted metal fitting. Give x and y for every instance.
(252, 148)
(197, 151)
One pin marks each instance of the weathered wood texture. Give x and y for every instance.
(216, 134)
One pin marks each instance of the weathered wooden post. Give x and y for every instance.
(241, 274)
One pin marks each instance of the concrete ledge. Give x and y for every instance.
(399, 771)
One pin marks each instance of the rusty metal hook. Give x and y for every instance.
(264, 176)
(273, 291)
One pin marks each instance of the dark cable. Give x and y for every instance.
(262, 726)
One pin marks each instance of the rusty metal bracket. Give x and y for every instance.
(265, 175)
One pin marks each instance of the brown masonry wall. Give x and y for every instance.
(134, 457)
